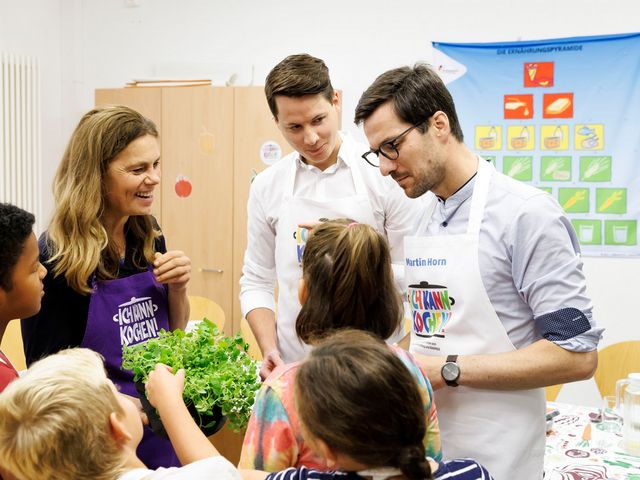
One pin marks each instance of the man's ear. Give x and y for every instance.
(118, 430)
(337, 101)
(440, 122)
(303, 292)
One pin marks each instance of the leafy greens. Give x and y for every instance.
(218, 369)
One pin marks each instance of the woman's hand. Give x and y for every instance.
(163, 387)
(172, 268)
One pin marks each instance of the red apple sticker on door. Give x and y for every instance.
(183, 186)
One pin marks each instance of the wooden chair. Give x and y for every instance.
(12, 345)
(202, 307)
(247, 334)
(552, 392)
(616, 361)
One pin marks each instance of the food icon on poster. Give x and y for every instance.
(519, 168)
(611, 200)
(488, 137)
(620, 232)
(589, 231)
(518, 106)
(538, 74)
(574, 200)
(557, 105)
(520, 137)
(589, 137)
(595, 168)
(554, 137)
(553, 169)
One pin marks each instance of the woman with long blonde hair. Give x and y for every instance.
(111, 281)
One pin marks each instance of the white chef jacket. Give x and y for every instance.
(395, 213)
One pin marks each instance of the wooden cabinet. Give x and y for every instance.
(211, 138)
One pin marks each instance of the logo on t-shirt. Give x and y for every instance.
(137, 320)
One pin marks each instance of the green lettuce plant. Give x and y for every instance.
(218, 369)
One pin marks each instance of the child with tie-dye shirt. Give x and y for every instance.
(347, 283)
(360, 409)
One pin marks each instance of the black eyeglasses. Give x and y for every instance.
(388, 149)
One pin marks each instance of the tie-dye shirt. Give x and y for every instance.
(273, 440)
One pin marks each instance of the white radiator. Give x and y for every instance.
(20, 134)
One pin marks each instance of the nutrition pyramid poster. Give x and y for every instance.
(564, 116)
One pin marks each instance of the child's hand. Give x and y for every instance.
(172, 268)
(163, 387)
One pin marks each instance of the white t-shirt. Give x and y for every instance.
(215, 468)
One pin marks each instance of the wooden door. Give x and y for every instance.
(197, 183)
(147, 101)
(253, 127)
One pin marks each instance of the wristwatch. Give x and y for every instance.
(451, 371)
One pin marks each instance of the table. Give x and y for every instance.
(580, 449)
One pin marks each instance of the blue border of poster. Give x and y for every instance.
(564, 116)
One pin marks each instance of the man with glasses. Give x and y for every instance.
(495, 278)
(324, 177)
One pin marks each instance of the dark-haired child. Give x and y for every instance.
(21, 275)
(361, 409)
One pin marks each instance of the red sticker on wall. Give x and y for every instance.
(183, 186)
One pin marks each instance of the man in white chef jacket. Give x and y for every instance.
(494, 276)
(325, 177)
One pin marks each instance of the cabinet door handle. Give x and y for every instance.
(211, 270)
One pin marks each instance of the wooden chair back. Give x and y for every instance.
(615, 362)
(203, 307)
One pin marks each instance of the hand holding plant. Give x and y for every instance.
(164, 389)
(219, 374)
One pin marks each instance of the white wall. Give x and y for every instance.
(33, 28)
(89, 44)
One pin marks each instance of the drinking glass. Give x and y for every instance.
(611, 419)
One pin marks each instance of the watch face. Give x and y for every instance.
(450, 372)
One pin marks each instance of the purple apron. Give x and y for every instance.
(128, 311)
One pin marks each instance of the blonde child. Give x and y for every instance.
(65, 420)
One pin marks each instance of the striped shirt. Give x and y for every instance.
(460, 469)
